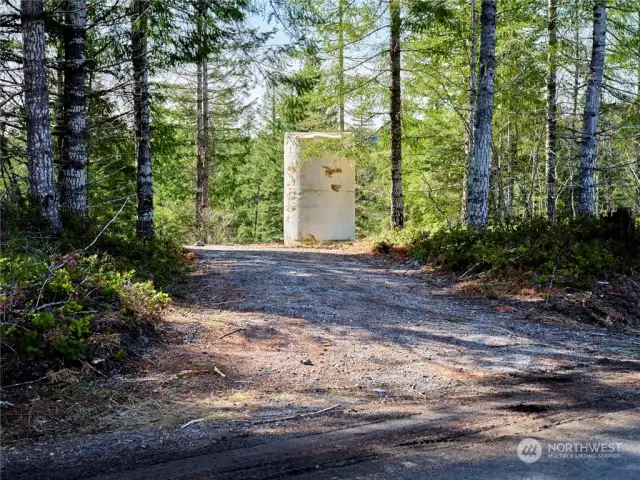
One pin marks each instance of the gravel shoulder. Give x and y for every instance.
(277, 343)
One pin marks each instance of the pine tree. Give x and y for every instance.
(202, 137)
(395, 112)
(552, 12)
(73, 188)
(479, 167)
(588, 188)
(36, 100)
(144, 176)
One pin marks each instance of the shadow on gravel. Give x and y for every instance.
(377, 305)
(388, 329)
(396, 449)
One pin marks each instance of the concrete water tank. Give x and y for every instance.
(319, 189)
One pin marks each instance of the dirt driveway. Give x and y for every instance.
(275, 346)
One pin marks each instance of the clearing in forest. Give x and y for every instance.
(276, 343)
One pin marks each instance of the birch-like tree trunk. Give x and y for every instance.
(480, 165)
(588, 189)
(395, 111)
(73, 185)
(144, 176)
(36, 99)
(472, 110)
(552, 109)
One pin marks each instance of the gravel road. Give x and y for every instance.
(315, 342)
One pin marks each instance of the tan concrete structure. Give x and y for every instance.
(319, 190)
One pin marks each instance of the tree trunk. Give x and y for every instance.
(198, 146)
(496, 182)
(144, 176)
(637, 174)
(480, 165)
(472, 111)
(552, 109)
(512, 156)
(588, 192)
(36, 99)
(575, 95)
(73, 186)
(341, 8)
(9, 177)
(58, 130)
(202, 152)
(395, 111)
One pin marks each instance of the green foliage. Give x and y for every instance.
(387, 240)
(62, 305)
(571, 252)
(157, 259)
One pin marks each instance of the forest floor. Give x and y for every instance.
(312, 360)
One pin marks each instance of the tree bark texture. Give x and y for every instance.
(480, 164)
(58, 130)
(552, 109)
(588, 189)
(395, 111)
(144, 175)
(73, 185)
(36, 99)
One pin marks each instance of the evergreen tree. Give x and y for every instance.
(144, 175)
(588, 188)
(479, 167)
(36, 101)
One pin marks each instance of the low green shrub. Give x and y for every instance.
(157, 259)
(63, 305)
(570, 252)
(57, 316)
(387, 240)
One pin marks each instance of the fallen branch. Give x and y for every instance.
(230, 333)
(88, 365)
(106, 226)
(215, 369)
(300, 415)
(197, 420)
(53, 269)
(23, 383)
(465, 273)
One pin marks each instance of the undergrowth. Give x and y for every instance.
(572, 253)
(80, 299)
